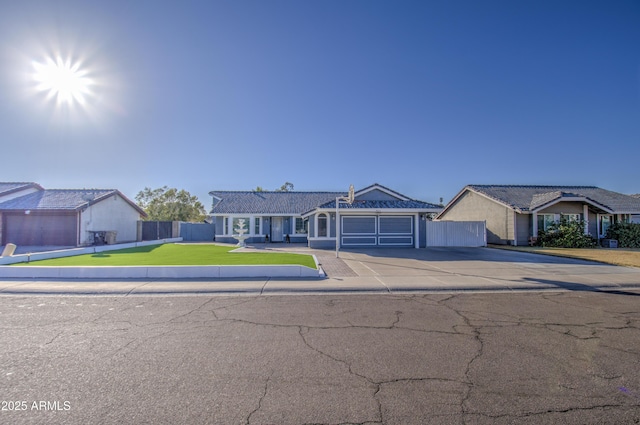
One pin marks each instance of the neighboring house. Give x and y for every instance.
(514, 214)
(378, 216)
(9, 191)
(61, 217)
(635, 218)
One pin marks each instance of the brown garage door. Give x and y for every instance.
(40, 229)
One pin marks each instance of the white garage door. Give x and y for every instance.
(377, 231)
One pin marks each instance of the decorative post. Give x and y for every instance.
(349, 199)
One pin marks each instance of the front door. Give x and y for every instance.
(606, 220)
(276, 229)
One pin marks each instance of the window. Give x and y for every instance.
(605, 223)
(256, 226)
(545, 220)
(322, 225)
(570, 217)
(302, 226)
(225, 226)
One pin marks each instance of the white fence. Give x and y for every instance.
(456, 233)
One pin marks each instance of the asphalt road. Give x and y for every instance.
(569, 357)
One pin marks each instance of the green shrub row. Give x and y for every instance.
(627, 234)
(565, 234)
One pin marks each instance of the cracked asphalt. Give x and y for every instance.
(570, 357)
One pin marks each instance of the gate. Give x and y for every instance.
(456, 233)
(154, 230)
(200, 232)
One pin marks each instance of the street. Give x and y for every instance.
(569, 357)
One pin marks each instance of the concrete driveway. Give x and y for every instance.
(474, 268)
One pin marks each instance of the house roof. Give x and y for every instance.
(303, 203)
(12, 187)
(532, 198)
(62, 199)
(252, 202)
(379, 205)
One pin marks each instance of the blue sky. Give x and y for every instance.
(423, 97)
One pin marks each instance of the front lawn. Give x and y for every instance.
(179, 255)
(617, 256)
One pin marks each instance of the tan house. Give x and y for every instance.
(514, 214)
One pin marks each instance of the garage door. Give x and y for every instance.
(377, 230)
(40, 229)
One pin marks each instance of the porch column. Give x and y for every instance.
(416, 230)
(535, 224)
(585, 212)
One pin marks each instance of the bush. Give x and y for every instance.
(566, 234)
(627, 234)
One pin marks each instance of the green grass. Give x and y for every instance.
(179, 255)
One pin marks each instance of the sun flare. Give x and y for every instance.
(63, 80)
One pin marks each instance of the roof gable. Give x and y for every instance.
(63, 199)
(7, 188)
(378, 192)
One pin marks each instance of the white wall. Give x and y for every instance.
(113, 213)
(456, 233)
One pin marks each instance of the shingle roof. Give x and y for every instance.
(527, 198)
(57, 199)
(386, 204)
(8, 187)
(251, 202)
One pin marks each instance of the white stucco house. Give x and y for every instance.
(33, 216)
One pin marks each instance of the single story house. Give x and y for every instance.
(66, 217)
(514, 214)
(378, 216)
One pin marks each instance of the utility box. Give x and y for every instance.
(609, 243)
(110, 237)
(8, 250)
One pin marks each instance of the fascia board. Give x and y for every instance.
(470, 189)
(382, 189)
(356, 211)
(256, 214)
(575, 199)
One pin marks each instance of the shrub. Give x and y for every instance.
(566, 234)
(627, 234)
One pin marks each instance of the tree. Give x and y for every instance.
(169, 204)
(286, 187)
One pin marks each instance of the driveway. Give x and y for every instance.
(400, 269)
